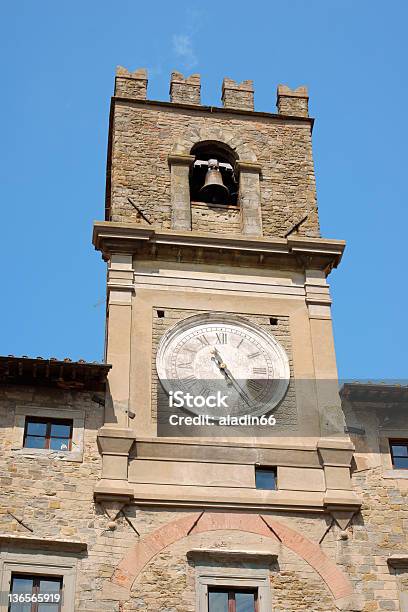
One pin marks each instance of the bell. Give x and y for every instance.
(214, 191)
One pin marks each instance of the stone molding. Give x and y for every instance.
(115, 444)
(205, 109)
(265, 558)
(69, 546)
(398, 560)
(313, 253)
(145, 549)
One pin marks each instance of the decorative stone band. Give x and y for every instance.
(145, 549)
(309, 253)
(25, 543)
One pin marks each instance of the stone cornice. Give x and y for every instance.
(303, 252)
(40, 543)
(200, 108)
(220, 554)
(398, 560)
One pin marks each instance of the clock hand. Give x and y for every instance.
(225, 371)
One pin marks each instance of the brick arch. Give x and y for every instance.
(149, 546)
(183, 145)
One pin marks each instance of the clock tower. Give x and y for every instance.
(217, 280)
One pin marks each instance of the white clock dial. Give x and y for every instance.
(208, 352)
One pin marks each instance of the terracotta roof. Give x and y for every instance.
(53, 372)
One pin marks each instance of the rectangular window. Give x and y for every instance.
(52, 434)
(266, 478)
(399, 454)
(232, 600)
(35, 593)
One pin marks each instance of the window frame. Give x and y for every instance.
(397, 442)
(267, 468)
(40, 563)
(48, 421)
(232, 591)
(23, 411)
(237, 578)
(36, 579)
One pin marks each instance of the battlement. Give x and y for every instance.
(234, 95)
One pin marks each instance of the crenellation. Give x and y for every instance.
(185, 90)
(292, 101)
(238, 95)
(131, 84)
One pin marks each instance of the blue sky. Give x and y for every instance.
(58, 69)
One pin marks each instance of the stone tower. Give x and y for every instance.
(216, 281)
(249, 258)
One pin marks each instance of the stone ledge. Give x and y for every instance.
(109, 490)
(398, 560)
(337, 499)
(213, 109)
(260, 556)
(41, 543)
(318, 253)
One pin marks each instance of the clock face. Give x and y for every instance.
(207, 353)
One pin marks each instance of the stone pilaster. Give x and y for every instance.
(180, 191)
(118, 337)
(250, 198)
(115, 444)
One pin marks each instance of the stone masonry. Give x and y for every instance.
(144, 134)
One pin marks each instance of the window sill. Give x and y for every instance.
(402, 474)
(35, 453)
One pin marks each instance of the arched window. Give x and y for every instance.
(213, 177)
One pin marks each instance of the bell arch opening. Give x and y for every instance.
(213, 176)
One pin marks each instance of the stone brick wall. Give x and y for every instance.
(294, 585)
(54, 499)
(215, 219)
(144, 136)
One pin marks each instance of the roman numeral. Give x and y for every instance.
(189, 350)
(253, 355)
(189, 381)
(254, 386)
(222, 338)
(185, 365)
(240, 342)
(203, 340)
(259, 370)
